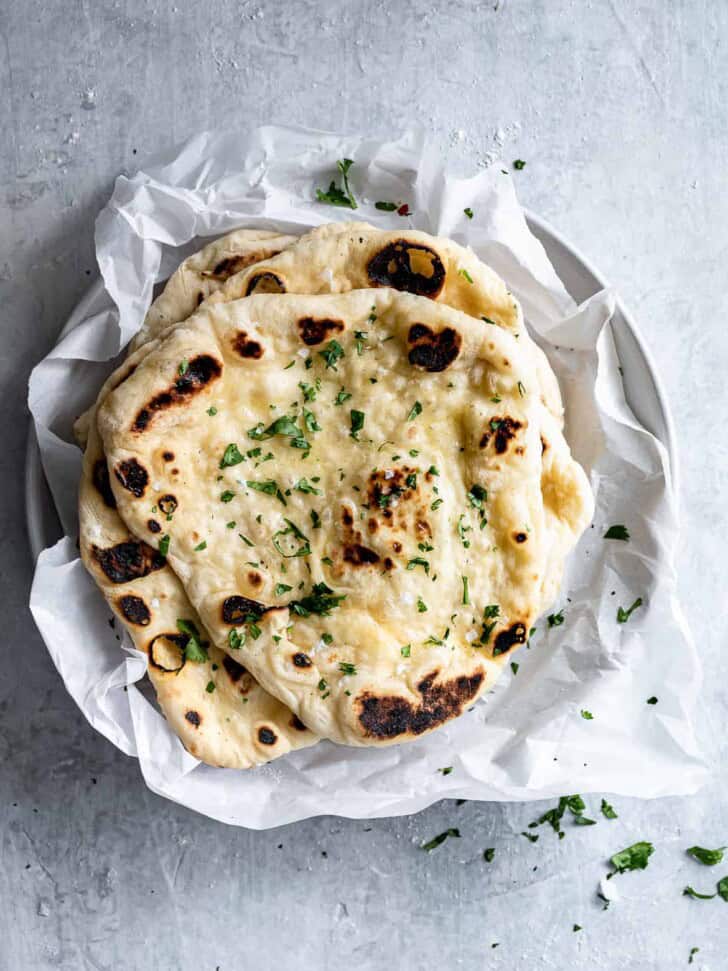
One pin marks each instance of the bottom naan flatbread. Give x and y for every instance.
(220, 713)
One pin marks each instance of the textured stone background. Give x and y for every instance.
(619, 108)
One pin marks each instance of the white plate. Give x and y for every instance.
(643, 389)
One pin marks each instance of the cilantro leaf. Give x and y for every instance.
(357, 423)
(489, 854)
(322, 600)
(331, 354)
(624, 615)
(706, 857)
(635, 857)
(617, 532)
(231, 456)
(386, 206)
(608, 811)
(414, 411)
(335, 195)
(195, 648)
(440, 839)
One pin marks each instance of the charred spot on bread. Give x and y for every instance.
(199, 373)
(315, 330)
(412, 267)
(392, 716)
(433, 351)
(134, 610)
(128, 561)
(133, 476)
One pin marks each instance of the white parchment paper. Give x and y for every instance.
(527, 739)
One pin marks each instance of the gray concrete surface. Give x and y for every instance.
(619, 109)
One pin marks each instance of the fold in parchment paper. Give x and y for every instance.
(526, 739)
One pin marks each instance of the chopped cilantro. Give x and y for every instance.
(440, 839)
(315, 519)
(201, 546)
(624, 615)
(195, 648)
(341, 397)
(360, 337)
(385, 206)
(653, 700)
(707, 857)
(521, 389)
(414, 411)
(357, 423)
(693, 952)
(284, 426)
(231, 456)
(227, 496)
(519, 164)
(586, 715)
(281, 588)
(477, 495)
(184, 366)
(347, 668)
(436, 504)
(635, 857)
(164, 546)
(335, 195)
(446, 771)
(322, 600)
(210, 687)
(235, 639)
(466, 595)
(531, 837)
(245, 539)
(421, 606)
(557, 619)
(212, 411)
(468, 212)
(462, 530)
(464, 273)
(689, 892)
(514, 667)
(419, 561)
(268, 486)
(489, 854)
(617, 532)
(303, 485)
(331, 354)
(406, 650)
(608, 811)
(292, 548)
(310, 390)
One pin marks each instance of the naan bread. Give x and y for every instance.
(222, 716)
(393, 566)
(340, 257)
(203, 273)
(194, 280)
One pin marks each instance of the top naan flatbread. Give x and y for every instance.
(381, 453)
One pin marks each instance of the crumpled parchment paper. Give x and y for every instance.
(527, 739)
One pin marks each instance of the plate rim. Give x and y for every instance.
(34, 476)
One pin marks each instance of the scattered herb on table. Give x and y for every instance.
(468, 212)
(519, 164)
(706, 857)
(440, 839)
(385, 206)
(557, 619)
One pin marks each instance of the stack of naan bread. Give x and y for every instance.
(328, 493)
